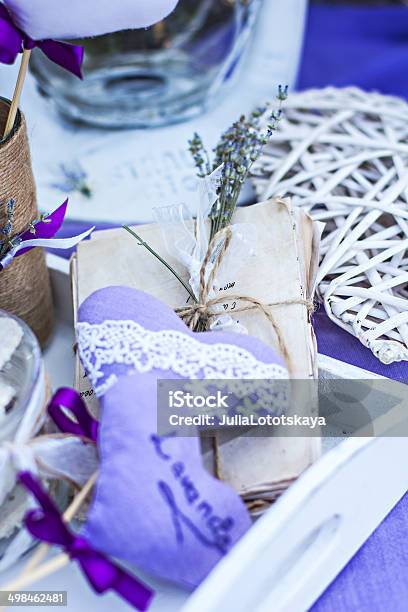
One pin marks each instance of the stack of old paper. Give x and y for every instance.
(283, 269)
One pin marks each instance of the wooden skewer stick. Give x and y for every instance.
(79, 499)
(38, 573)
(31, 572)
(17, 92)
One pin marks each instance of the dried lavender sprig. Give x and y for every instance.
(239, 147)
(74, 178)
(163, 261)
(7, 229)
(200, 155)
(11, 241)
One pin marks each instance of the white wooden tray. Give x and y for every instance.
(297, 548)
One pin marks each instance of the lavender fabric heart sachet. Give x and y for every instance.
(155, 504)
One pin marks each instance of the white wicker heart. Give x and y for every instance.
(343, 155)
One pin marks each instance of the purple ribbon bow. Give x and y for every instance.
(47, 228)
(44, 232)
(66, 399)
(46, 524)
(14, 41)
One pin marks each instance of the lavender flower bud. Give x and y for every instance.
(10, 207)
(7, 229)
(283, 92)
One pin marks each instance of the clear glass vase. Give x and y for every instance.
(161, 75)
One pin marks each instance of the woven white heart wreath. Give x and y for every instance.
(342, 154)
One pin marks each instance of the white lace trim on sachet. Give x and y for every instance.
(130, 344)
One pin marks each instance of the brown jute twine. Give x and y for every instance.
(25, 288)
(197, 315)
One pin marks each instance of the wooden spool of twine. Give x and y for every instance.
(25, 288)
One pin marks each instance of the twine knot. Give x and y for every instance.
(197, 316)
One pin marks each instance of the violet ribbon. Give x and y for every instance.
(48, 227)
(45, 231)
(14, 41)
(45, 523)
(69, 400)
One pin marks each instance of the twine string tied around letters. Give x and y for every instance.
(198, 315)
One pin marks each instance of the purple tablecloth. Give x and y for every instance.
(376, 579)
(363, 46)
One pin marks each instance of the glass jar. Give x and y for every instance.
(22, 399)
(21, 374)
(161, 75)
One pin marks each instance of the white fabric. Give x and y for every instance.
(81, 18)
(48, 243)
